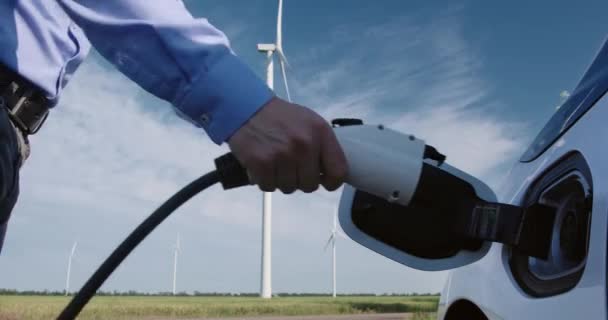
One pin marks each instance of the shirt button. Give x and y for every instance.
(205, 119)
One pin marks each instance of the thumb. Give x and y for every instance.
(333, 161)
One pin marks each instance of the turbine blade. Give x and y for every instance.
(279, 49)
(283, 57)
(285, 78)
(341, 234)
(329, 241)
(280, 26)
(73, 249)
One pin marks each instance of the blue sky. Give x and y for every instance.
(476, 79)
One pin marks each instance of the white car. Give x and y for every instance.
(565, 171)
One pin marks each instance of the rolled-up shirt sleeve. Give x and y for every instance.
(179, 58)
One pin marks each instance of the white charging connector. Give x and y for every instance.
(382, 161)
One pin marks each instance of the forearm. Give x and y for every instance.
(179, 58)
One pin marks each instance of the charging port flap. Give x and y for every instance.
(451, 220)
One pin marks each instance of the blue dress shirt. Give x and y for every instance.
(156, 43)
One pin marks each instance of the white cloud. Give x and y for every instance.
(433, 88)
(474, 142)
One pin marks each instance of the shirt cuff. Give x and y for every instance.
(222, 99)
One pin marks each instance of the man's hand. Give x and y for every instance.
(289, 147)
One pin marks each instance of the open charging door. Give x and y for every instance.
(451, 221)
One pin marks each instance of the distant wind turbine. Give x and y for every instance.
(176, 250)
(332, 240)
(269, 49)
(69, 271)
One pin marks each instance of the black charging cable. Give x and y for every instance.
(229, 173)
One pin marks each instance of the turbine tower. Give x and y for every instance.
(269, 49)
(175, 254)
(69, 271)
(332, 240)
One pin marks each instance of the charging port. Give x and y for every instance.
(568, 198)
(567, 190)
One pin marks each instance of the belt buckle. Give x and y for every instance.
(27, 119)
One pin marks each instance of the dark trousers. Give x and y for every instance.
(9, 171)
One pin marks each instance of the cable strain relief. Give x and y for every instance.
(230, 171)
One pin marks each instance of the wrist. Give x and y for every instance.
(221, 100)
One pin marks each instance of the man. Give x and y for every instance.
(169, 53)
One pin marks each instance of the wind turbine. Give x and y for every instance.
(269, 49)
(69, 271)
(333, 237)
(175, 254)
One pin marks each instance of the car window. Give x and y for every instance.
(590, 89)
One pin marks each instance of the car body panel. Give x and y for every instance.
(489, 284)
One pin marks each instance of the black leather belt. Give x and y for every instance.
(27, 105)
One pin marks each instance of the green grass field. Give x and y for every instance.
(119, 308)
